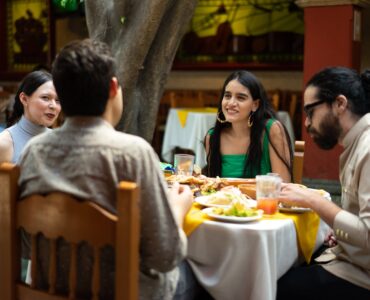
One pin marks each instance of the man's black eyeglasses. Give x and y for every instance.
(309, 108)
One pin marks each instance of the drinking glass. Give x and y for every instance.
(267, 192)
(184, 164)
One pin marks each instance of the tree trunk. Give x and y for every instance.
(144, 36)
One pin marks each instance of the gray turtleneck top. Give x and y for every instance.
(21, 133)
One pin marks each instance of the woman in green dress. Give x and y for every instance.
(247, 140)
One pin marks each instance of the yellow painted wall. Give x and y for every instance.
(68, 29)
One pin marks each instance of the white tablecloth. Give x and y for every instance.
(244, 261)
(191, 136)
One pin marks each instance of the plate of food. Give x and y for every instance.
(185, 179)
(209, 201)
(225, 198)
(237, 213)
(323, 193)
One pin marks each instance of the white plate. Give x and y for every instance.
(203, 200)
(323, 193)
(296, 210)
(209, 212)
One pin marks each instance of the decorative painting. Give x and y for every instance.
(28, 34)
(254, 33)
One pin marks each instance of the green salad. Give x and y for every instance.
(237, 209)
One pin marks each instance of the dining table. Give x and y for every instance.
(245, 260)
(187, 127)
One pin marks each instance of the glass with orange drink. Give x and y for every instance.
(267, 192)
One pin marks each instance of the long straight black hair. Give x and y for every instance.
(260, 117)
(29, 85)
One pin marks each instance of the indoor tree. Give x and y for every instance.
(144, 36)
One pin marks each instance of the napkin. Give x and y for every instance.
(306, 225)
(183, 113)
(165, 166)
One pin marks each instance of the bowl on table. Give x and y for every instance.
(248, 189)
(238, 181)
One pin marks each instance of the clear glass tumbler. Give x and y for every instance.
(267, 191)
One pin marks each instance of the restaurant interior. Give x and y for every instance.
(281, 46)
(272, 45)
(275, 57)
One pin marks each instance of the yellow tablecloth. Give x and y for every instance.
(183, 113)
(194, 218)
(306, 224)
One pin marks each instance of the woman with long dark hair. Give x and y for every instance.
(36, 108)
(247, 140)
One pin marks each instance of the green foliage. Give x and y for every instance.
(67, 5)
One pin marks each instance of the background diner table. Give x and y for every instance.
(190, 135)
(244, 261)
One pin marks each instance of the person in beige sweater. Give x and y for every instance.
(337, 106)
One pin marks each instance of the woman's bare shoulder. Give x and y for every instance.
(6, 146)
(5, 137)
(276, 129)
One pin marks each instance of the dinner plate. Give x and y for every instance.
(209, 212)
(204, 201)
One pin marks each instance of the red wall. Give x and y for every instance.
(328, 42)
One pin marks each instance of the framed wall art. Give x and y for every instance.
(259, 34)
(28, 39)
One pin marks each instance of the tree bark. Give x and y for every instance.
(144, 36)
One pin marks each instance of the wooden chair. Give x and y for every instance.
(293, 105)
(274, 96)
(60, 215)
(211, 98)
(186, 98)
(174, 99)
(4, 99)
(4, 103)
(298, 161)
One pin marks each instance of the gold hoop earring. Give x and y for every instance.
(219, 119)
(250, 121)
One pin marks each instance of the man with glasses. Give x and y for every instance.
(337, 106)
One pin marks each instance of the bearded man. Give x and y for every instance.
(337, 106)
